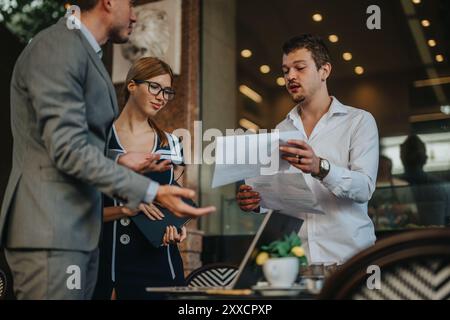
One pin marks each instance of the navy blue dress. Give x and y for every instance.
(128, 262)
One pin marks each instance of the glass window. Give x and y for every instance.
(394, 65)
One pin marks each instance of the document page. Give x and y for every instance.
(245, 156)
(286, 192)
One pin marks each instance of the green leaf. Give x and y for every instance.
(283, 249)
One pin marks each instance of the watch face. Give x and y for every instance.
(325, 165)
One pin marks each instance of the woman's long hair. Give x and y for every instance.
(143, 69)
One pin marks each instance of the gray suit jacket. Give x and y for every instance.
(62, 108)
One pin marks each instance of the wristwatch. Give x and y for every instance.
(324, 168)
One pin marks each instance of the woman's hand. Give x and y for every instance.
(172, 236)
(151, 211)
(154, 166)
(129, 212)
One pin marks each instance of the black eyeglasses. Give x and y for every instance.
(155, 88)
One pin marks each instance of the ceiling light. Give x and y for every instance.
(359, 70)
(425, 23)
(347, 56)
(439, 58)
(250, 93)
(432, 43)
(431, 82)
(264, 69)
(333, 38)
(428, 117)
(246, 53)
(416, 1)
(281, 82)
(317, 17)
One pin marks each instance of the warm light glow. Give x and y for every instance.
(432, 43)
(431, 82)
(317, 17)
(250, 93)
(264, 69)
(249, 125)
(425, 23)
(439, 58)
(347, 56)
(416, 1)
(333, 38)
(246, 53)
(359, 70)
(281, 82)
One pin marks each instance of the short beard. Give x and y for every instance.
(299, 100)
(115, 36)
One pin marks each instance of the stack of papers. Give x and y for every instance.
(257, 159)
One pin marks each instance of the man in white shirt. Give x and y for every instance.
(338, 156)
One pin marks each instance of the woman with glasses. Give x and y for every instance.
(128, 262)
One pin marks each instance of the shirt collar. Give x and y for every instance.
(91, 39)
(336, 107)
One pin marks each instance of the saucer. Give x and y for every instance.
(269, 290)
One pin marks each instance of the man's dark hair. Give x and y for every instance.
(85, 5)
(314, 44)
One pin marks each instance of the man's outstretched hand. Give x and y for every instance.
(170, 197)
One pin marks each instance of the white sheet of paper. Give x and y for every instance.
(286, 192)
(246, 156)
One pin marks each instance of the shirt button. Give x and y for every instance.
(125, 222)
(125, 239)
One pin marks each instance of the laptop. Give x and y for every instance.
(274, 227)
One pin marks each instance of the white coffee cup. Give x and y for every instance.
(281, 272)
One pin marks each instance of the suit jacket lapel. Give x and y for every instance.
(101, 68)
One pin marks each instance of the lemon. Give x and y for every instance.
(298, 251)
(262, 258)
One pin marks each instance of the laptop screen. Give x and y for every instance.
(274, 227)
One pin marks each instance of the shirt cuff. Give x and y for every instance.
(334, 178)
(152, 190)
(115, 154)
(262, 210)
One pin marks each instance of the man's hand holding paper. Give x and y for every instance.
(287, 192)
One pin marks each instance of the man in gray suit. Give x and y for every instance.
(62, 107)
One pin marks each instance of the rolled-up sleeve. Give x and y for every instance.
(357, 181)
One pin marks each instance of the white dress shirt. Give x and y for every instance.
(348, 138)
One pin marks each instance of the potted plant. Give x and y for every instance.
(281, 260)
